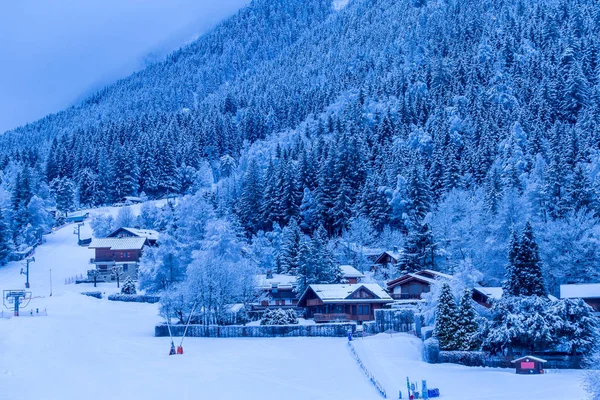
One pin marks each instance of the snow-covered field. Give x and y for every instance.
(97, 349)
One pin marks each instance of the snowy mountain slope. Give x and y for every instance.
(60, 51)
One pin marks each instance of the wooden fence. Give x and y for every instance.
(322, 330)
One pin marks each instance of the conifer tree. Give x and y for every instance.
(250, 201)
(467, 332)
(580, 195)
(524, 276)
(446, 318)
(326, 269)
(306, 267)
(6, 243)
(290, 243)
(529, 264)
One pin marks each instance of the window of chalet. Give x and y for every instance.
(363, 310)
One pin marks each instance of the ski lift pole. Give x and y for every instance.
(172, 351)
(188, 324)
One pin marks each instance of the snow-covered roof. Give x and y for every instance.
(490, 292)
(584, 291)
(336, 293)
(532, 358)
(348, 271)
(436, 273)
(144, 233)
(279, 281)
(128, 243)
(394, 254)
(356, 248)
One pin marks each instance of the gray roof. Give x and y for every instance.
(128, 243)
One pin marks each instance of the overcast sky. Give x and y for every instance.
(54, 51)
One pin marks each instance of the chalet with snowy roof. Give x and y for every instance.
(589, 292)
(122, 252)
(276, 290)
(389, 257)
(485, 296)
(343, 302)
(351, 274)
(150, 235)
(280, 290)
(411, 286)
(369, 253)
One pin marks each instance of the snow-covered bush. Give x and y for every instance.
(468, 358)
(134, 298)
(431, 350)
(128, 287)
(279, 316)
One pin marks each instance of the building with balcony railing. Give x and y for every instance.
(343, 302)
(410, 287)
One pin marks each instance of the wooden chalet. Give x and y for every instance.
(343, 302)
(388, 258)
(529, 365)
(276, 290)
(588, 292)
(484, 296)
(411, 286)
(351, 274)
(122, 252)
(150, 235)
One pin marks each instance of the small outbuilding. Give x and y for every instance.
(529, 365)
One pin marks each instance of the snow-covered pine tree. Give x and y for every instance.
(512, 283)
(65, 195)
(251, 199)
(306, 267)
(529, 265)
(446, 319)
(288, 252)
(467, 335)
(128, 286)
(326, 269)
(6, 242)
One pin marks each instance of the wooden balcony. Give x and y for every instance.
(405, 296)
(332, 317)
(101, 260)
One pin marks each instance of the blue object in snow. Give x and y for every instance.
(349, 336)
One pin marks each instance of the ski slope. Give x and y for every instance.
(98, 350)
(391, 358)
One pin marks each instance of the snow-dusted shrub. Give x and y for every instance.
(468, 358)
(97, 295)
(128, 287)
(134, 298)
(431, 350)
(279, 317)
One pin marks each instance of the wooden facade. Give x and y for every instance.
(123, 253)
(528, 365)
(343, 302)
(412, 286)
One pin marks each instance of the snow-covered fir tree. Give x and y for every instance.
(446, 319)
